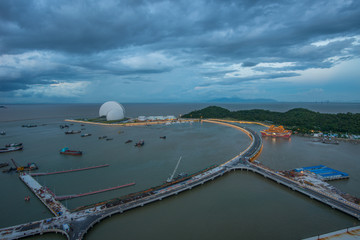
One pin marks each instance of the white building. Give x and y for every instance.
(112, 111)
(141, 118)
(170, 117)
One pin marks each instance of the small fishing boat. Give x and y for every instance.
(2, 133)
(103, 137)
(140, 143)
(128, 141)
(86, 135)
(72, 132)
(10, 149)
(4, 165)
(29, 125)
(8, 170)
(66, 151)
(14, 145)
(163, 137)
(109, 139)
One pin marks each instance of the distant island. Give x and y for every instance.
(237, 100)
(298, 119)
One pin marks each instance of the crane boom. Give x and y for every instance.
(172, 175)
(16, 166)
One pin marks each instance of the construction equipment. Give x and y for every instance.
(173, 174)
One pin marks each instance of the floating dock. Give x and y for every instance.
(60, 198)
(324, 173)
(67, 171)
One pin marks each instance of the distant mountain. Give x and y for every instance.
(236, 100)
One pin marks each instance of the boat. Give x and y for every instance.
(66, 151)
(163, 137)
(29, 167)
(128, 141)
(2, 133)
(8, 170)
(29, 125)
(72, 132)
(10, 149)
(86, 135)
(109, 139)
(3, 165)
(274, 131)
(14, 145)
(103, 137)
(140, 143)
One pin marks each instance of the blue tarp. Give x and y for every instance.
(323, 171)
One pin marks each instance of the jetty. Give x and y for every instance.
(76, 223)
(68, 171)
(60, 198)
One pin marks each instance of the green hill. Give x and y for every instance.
(298, 119)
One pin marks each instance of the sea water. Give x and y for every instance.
(239, 205)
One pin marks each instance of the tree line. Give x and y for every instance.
(297, 119)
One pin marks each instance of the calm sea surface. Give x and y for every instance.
(239, 205)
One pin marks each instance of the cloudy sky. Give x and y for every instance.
(179, 51)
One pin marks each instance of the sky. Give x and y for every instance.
(179, 51)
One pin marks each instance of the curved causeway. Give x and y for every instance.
(75, 224)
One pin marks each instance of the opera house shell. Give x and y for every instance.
(112, 111)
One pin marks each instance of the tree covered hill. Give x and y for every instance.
(297, 119)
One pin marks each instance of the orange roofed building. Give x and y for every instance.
(276, 132)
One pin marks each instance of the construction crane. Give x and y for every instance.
(15, 165)
(170, 179)
(19, 169)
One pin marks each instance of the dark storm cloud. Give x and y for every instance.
(91, 34)
(235, 80)
(221, 27)
(217, 73)
(248, 64)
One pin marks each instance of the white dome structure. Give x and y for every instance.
(112, 111)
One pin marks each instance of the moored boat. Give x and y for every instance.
(72, 132)
(128, 141)
(10, 149)
(14, 145)
(66, 151)
(4, 165)
(86, 135)
(140, 143)
(29, 125)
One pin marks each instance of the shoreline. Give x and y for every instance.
(131, 124)
(346, 140)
